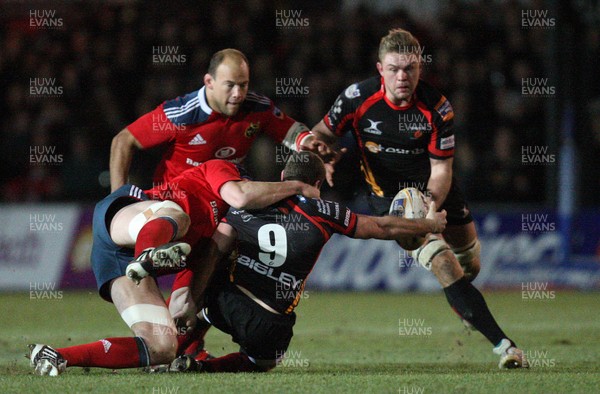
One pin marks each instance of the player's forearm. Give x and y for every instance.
(121, 154)
(439, 181)
(395, 227)
(392, 227)
(322, 133)
(256, 195)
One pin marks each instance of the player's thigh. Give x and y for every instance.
(119, 225)
(128, 221)
(458, 236)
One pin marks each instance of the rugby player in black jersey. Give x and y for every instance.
(403, 130)
(276, 249)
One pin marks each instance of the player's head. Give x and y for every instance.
(399, 65)
(306, 167)
(227, 81)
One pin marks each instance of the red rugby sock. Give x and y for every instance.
(124, 352)
(155, 233)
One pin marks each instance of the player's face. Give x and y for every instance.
(227, 90)
(400, 72)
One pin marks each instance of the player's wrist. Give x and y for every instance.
(304, 139)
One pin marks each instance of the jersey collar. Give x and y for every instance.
(203, 102)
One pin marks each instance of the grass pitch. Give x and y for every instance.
(343, 343)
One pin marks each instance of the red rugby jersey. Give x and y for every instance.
(195, 133)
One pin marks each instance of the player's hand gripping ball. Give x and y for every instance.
(409, 203)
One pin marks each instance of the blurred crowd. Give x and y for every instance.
(68, 88)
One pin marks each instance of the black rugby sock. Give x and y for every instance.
(468, 302)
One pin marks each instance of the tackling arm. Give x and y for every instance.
(440, 179)
(393, 227)
(121, 153)
(321, 143)
(322, 132)
(220, 245)
(254, 195)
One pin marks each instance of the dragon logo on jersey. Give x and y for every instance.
(252, 129)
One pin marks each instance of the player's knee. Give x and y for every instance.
(426, 253)
(163, 348)
(468, 258)
(445, 265)
(181, 218)
(155, 326)
(160, 340)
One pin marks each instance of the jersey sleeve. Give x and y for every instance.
(441, 146)
(219, 172)
(334, 216)
(341, 114)
(283, 129)
(153, 128)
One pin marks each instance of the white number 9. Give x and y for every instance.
(272, 240)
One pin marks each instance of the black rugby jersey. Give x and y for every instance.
(395, 143)
(278, 246)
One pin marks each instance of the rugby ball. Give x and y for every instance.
(409, 203)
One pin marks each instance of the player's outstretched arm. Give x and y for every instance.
(121, 153)
(254, 195)
(393, 227)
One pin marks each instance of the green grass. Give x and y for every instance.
(343, 343)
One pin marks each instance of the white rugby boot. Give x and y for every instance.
(511, 357)
(170, 255)
(45, 360)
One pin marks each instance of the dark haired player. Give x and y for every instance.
(403, 131)
(276, 249)
(130, 224)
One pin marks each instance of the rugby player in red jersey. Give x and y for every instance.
(404, 135)
(130, 224)
(220, 120)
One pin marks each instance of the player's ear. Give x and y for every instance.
(208, 80)
(380, 68)
(318, 184)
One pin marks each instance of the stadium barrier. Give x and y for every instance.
(49, 245)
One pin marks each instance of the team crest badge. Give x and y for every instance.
(252, 129)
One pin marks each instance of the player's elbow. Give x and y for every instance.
(124, 140)
(240, 199)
